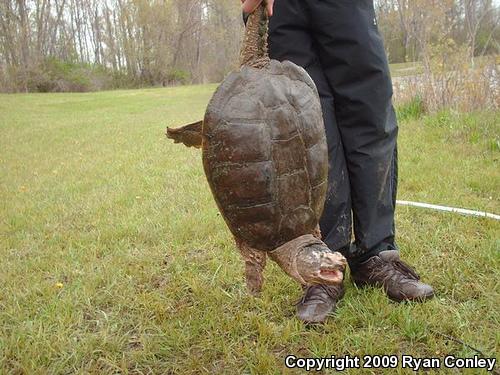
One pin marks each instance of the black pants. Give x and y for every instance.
(338, 43)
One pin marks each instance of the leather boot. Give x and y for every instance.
(318, 302)
(399, 280)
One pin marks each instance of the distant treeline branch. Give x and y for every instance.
(68, 45)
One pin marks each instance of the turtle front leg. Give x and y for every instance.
(255, 262)
(317, 232)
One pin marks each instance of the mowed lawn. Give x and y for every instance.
(114, 258)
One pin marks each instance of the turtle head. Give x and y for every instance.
(317, 264)
(309, 261)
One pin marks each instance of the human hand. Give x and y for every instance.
(250, 5)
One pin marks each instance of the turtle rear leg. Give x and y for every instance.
(190, 134)
(255, 262)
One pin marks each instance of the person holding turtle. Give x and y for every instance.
(337, 42)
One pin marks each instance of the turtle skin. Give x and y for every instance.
(265, 154)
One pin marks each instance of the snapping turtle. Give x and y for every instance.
(265, 158)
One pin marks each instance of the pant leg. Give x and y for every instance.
(352, 55)
(290, 39)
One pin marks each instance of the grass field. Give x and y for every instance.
(114, 258)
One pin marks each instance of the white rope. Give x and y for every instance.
(461, 211)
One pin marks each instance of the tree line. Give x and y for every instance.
(411, 27)
(78, 45)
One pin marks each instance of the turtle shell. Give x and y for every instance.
(265, 153)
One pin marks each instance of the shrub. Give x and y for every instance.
(449, 82)
(412, 109)
(55, 75)
(177, 76)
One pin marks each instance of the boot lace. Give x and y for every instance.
(403, 271)
(313, 294)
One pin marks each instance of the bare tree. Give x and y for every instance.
(161, 42)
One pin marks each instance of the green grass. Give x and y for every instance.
(114, 258)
